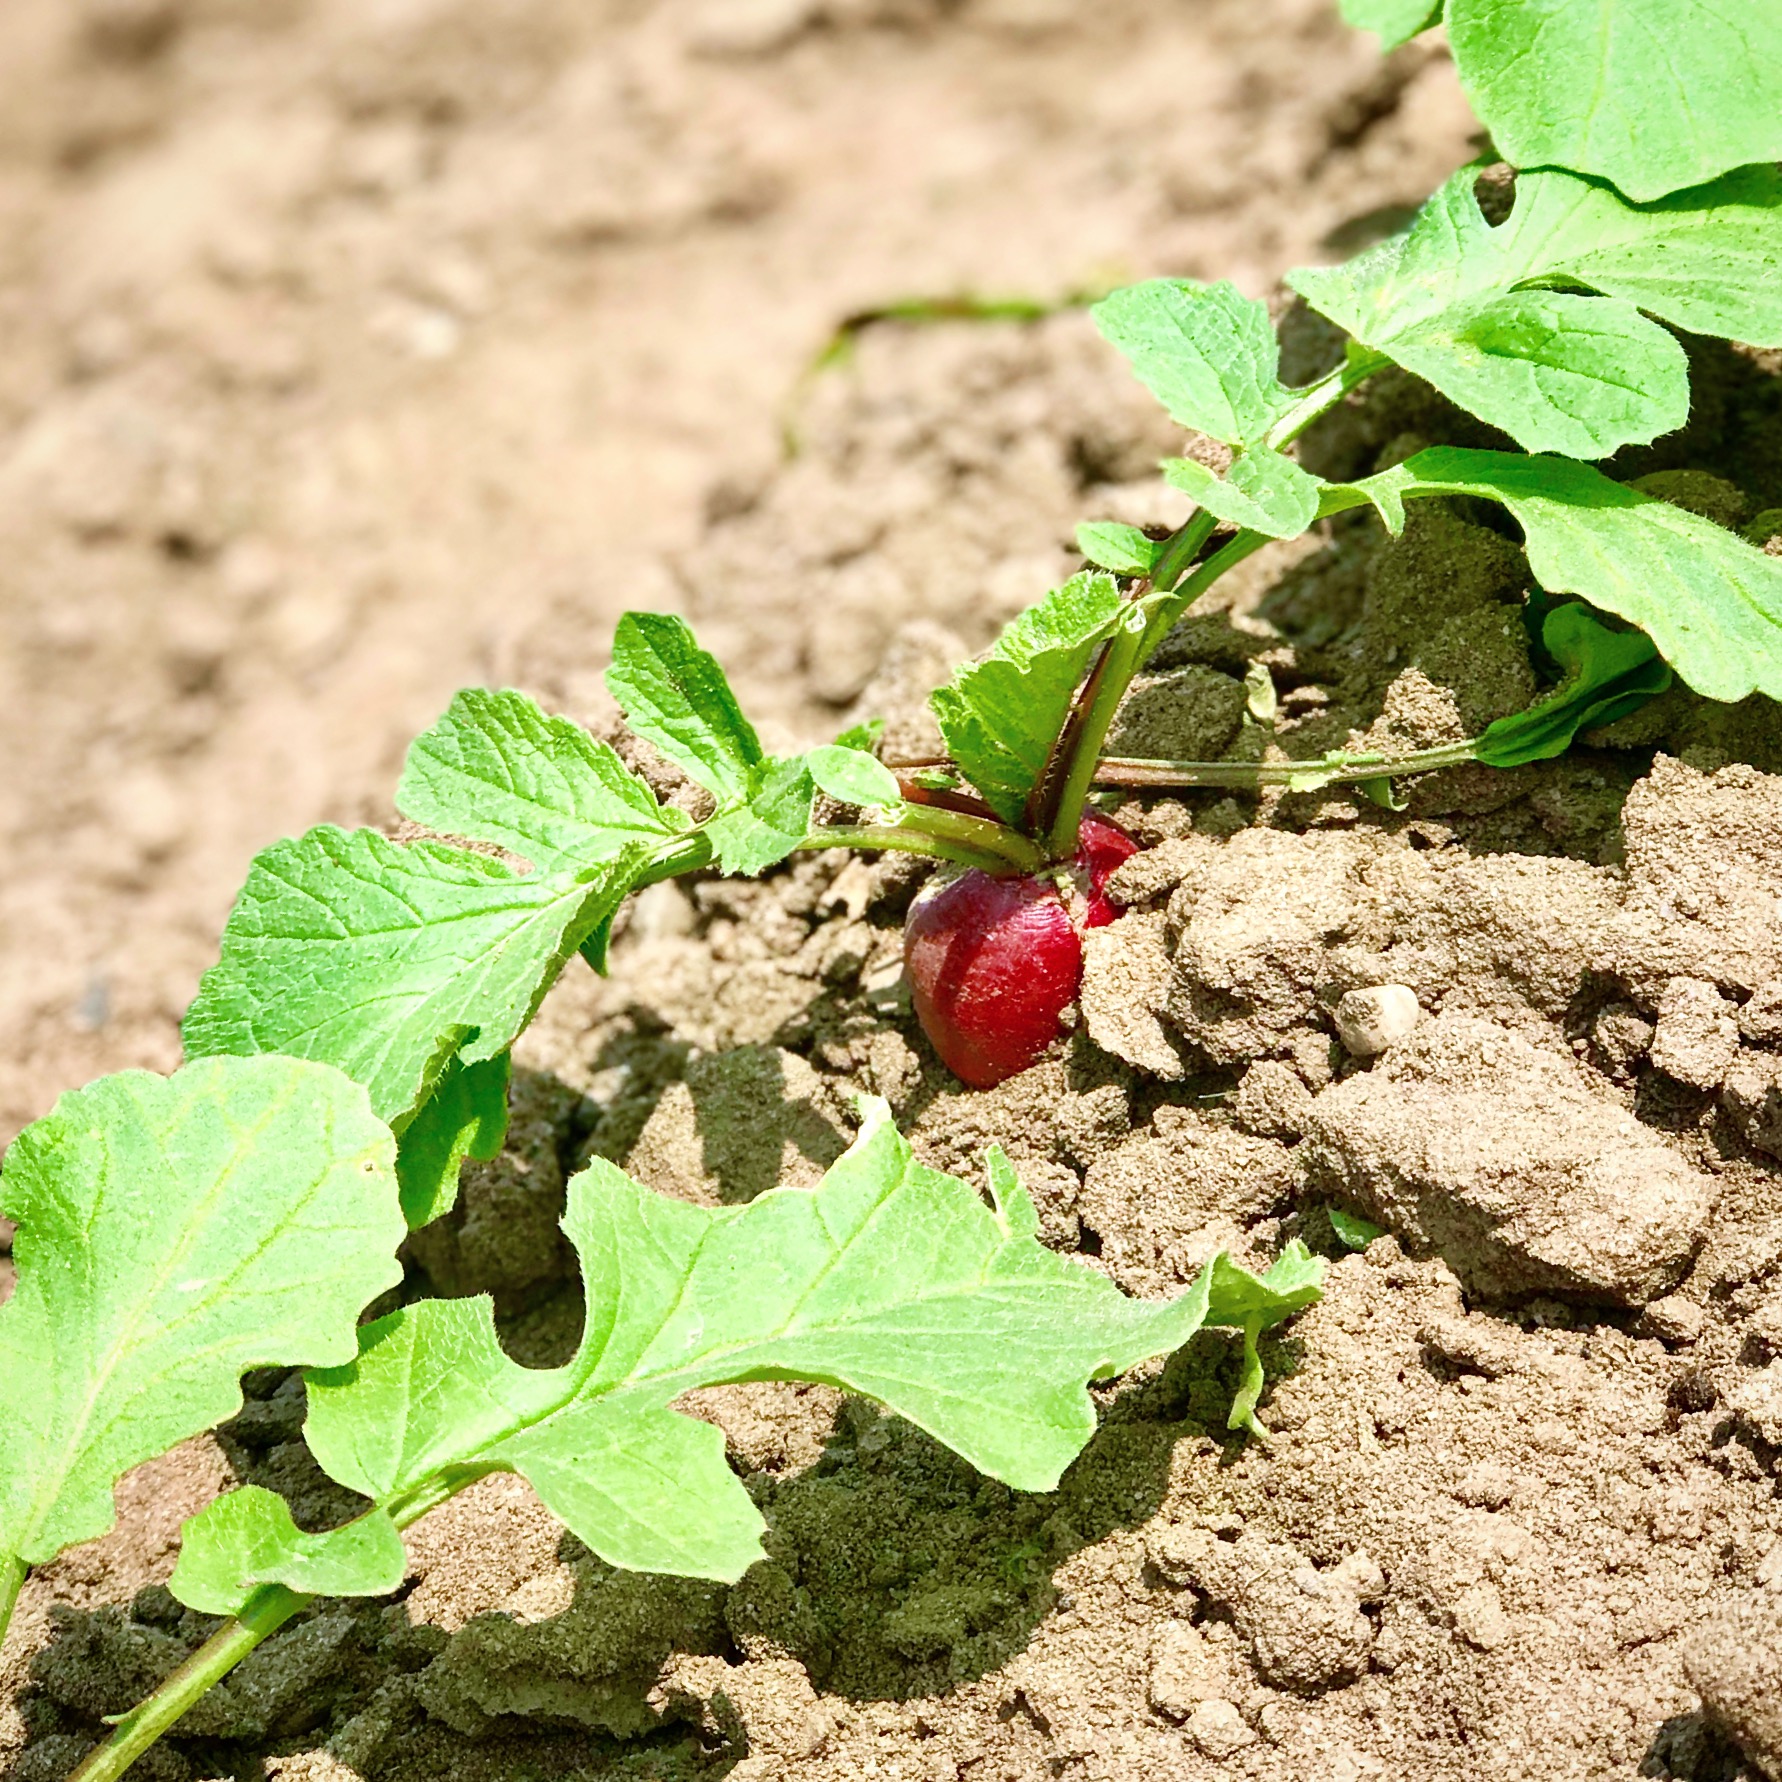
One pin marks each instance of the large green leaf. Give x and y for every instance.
(388, 960)
(1709, 259)
(889, 1279)
(496, 769)
(1468, 306)
(1000, 716)
(246, 1538)
(675, 694)
(1709, 601)
(1653, 95)
(1392, 21)
(173, 1232)
(1206, 352)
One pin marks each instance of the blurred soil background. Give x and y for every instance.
(354, 350)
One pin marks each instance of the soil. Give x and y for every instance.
(328, 390)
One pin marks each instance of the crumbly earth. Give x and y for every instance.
(1521, 1516)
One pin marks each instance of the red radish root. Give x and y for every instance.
(995, 962)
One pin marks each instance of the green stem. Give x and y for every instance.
(12, 1578)
(1181, 548)
(1332, 769)
(1359, 364)
(1014, 855)
(267, 1610)
(1122, 660)
(1119, 663)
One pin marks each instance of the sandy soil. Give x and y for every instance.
(358, 351)
(1521, 1518)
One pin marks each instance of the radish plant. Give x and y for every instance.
(350, 1048)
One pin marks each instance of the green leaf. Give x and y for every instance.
(1255, 1304)
(774, 817)
(1608, 674)
(1123, 549)
(1206, 352)
(1000, 716)
(1709, 259)
(496, 769)
(862, 736)
(173, 1232)
(889, 1279)
(385, 960)
(1652, 95)
(1452, 300)
(1263, 491)
(674, 694)
(246, 1538)
(1352, 1231)
(1711, 602)
(855, 776)
(1392, 21)
(465, 1116)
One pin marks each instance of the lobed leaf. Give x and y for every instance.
(1264, 491)
(773, 817)
(1001, 715)
(1392, 21)
(496, 769)
(1449, 300)
(246, 1539)
(1608, 674)
(1652, 95)
(675, 694)
(387, 960)
(889, 1279)
(172, 1233)
(1206, 352)
(1711, 602)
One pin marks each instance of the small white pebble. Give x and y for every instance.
(1370, 1020)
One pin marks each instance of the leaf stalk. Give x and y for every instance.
(267, 1610)
(1328, 770)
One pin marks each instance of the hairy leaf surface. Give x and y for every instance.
(246, 1538)
(1264, 491)
(1652, 95)
(497, 769)
(173, 1232)
(1469, 307)
(1711, 602)
(1001, 715)
(386, 960)
(889, 1279)
(772, 819)
(675, 694)
(1206, 352)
